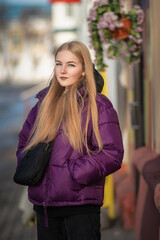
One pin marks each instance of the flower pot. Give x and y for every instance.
(122, 32)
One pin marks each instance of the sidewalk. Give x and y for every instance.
(11, 227)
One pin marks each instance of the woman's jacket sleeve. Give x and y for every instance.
(25, 131)
(87, 169)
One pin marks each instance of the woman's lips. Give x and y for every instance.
(63, 78)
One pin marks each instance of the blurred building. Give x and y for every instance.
(65, 19)
(30, 34)
(25, 43)
(69, 20)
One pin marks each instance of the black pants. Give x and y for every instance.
(76, 227)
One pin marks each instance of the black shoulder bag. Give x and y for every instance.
(31, 168)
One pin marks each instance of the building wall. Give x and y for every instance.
(151, 58)
(26, 51)
(155, 41)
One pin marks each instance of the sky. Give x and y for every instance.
(28, 2)
(15, 7)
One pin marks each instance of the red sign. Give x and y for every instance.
(65, 1)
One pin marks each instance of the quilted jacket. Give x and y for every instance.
(73, 178)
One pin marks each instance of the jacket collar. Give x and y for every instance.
(42, 93)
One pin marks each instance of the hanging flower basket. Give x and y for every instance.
(121, 32)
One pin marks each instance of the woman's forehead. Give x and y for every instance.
(66, 55)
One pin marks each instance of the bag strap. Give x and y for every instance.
(49, 146)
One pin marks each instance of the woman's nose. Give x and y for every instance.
(63, 69)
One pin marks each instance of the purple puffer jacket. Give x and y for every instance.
(72, 178)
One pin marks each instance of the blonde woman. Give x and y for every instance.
(87, 147)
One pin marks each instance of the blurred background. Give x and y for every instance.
(30, 31)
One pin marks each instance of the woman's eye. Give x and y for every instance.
(58, 64)
(71, 65)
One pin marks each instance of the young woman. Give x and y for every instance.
(87, 147)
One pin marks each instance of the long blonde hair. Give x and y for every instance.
(64, 107)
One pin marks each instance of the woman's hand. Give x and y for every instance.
(157, 196)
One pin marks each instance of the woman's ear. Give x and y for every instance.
(83, 74)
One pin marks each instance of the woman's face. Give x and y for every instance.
(68, 69)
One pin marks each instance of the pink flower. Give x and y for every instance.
(101, 34)
(100, 3)
(136, 6)
(92, 15)
(102, 24)
(138, 41)
(103, 2)
(124, 52)
(121, 2)
(109, 20)
(139, 29)
(140, 19)
(133, 48)
(112, 27)
(135, 54)
(140, 14)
